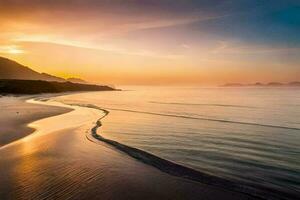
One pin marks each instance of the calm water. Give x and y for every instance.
(246, 134)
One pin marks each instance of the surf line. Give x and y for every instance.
(178, 170)
(204, 119)
(187, 117)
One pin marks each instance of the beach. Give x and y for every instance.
(16, 114)
(58, 161)
(149, 99)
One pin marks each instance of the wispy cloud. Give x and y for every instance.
(226, 47)
(161, 23)
(94, 47)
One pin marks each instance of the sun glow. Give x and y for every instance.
(134, 42)
(11, 50)
(15, 51)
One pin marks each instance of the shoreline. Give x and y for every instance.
(150, 160)
(19, 114)
(179, 170)
(60, 147)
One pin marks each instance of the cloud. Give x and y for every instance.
(194, 34)
(91, 21)
(239, 48)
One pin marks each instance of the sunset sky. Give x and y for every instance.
(155, 41)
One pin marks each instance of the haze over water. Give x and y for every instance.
(246, 134)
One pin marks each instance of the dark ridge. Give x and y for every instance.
(233, 85)
(295, 83)
(76, 80)
(11, 86)
(258, 84)
(10, 69)
(275, 84)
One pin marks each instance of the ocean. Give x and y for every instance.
(247, 135)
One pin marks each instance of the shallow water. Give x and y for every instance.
(247, 134)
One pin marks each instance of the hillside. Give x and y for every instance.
(76, 80)
(12, 86)
(19, 79)
(10, 69)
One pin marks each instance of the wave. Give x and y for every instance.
(198, 118)
(182, 171)
(201, 104)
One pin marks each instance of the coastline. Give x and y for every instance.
(92, 170)
(179, 170)
(17, 114)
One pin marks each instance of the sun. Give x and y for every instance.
(14, 50)
(11, 49)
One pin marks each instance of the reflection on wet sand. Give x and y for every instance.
(63, 164)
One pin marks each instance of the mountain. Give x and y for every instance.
(76, 80)
(275, 84)
(10, 69)
(232, 85)
(295, 83)
(258, 84)
(13, 86)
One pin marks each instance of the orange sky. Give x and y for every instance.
(143, 43)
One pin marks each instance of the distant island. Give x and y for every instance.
(19, 79)
(258, 84)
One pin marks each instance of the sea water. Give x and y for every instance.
(251, 135)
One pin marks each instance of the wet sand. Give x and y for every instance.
(59, 162)
(16, 114)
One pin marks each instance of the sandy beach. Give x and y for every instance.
(16, 114)
(149, 99)
(57, 161)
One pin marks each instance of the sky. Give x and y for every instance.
(155, 42)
